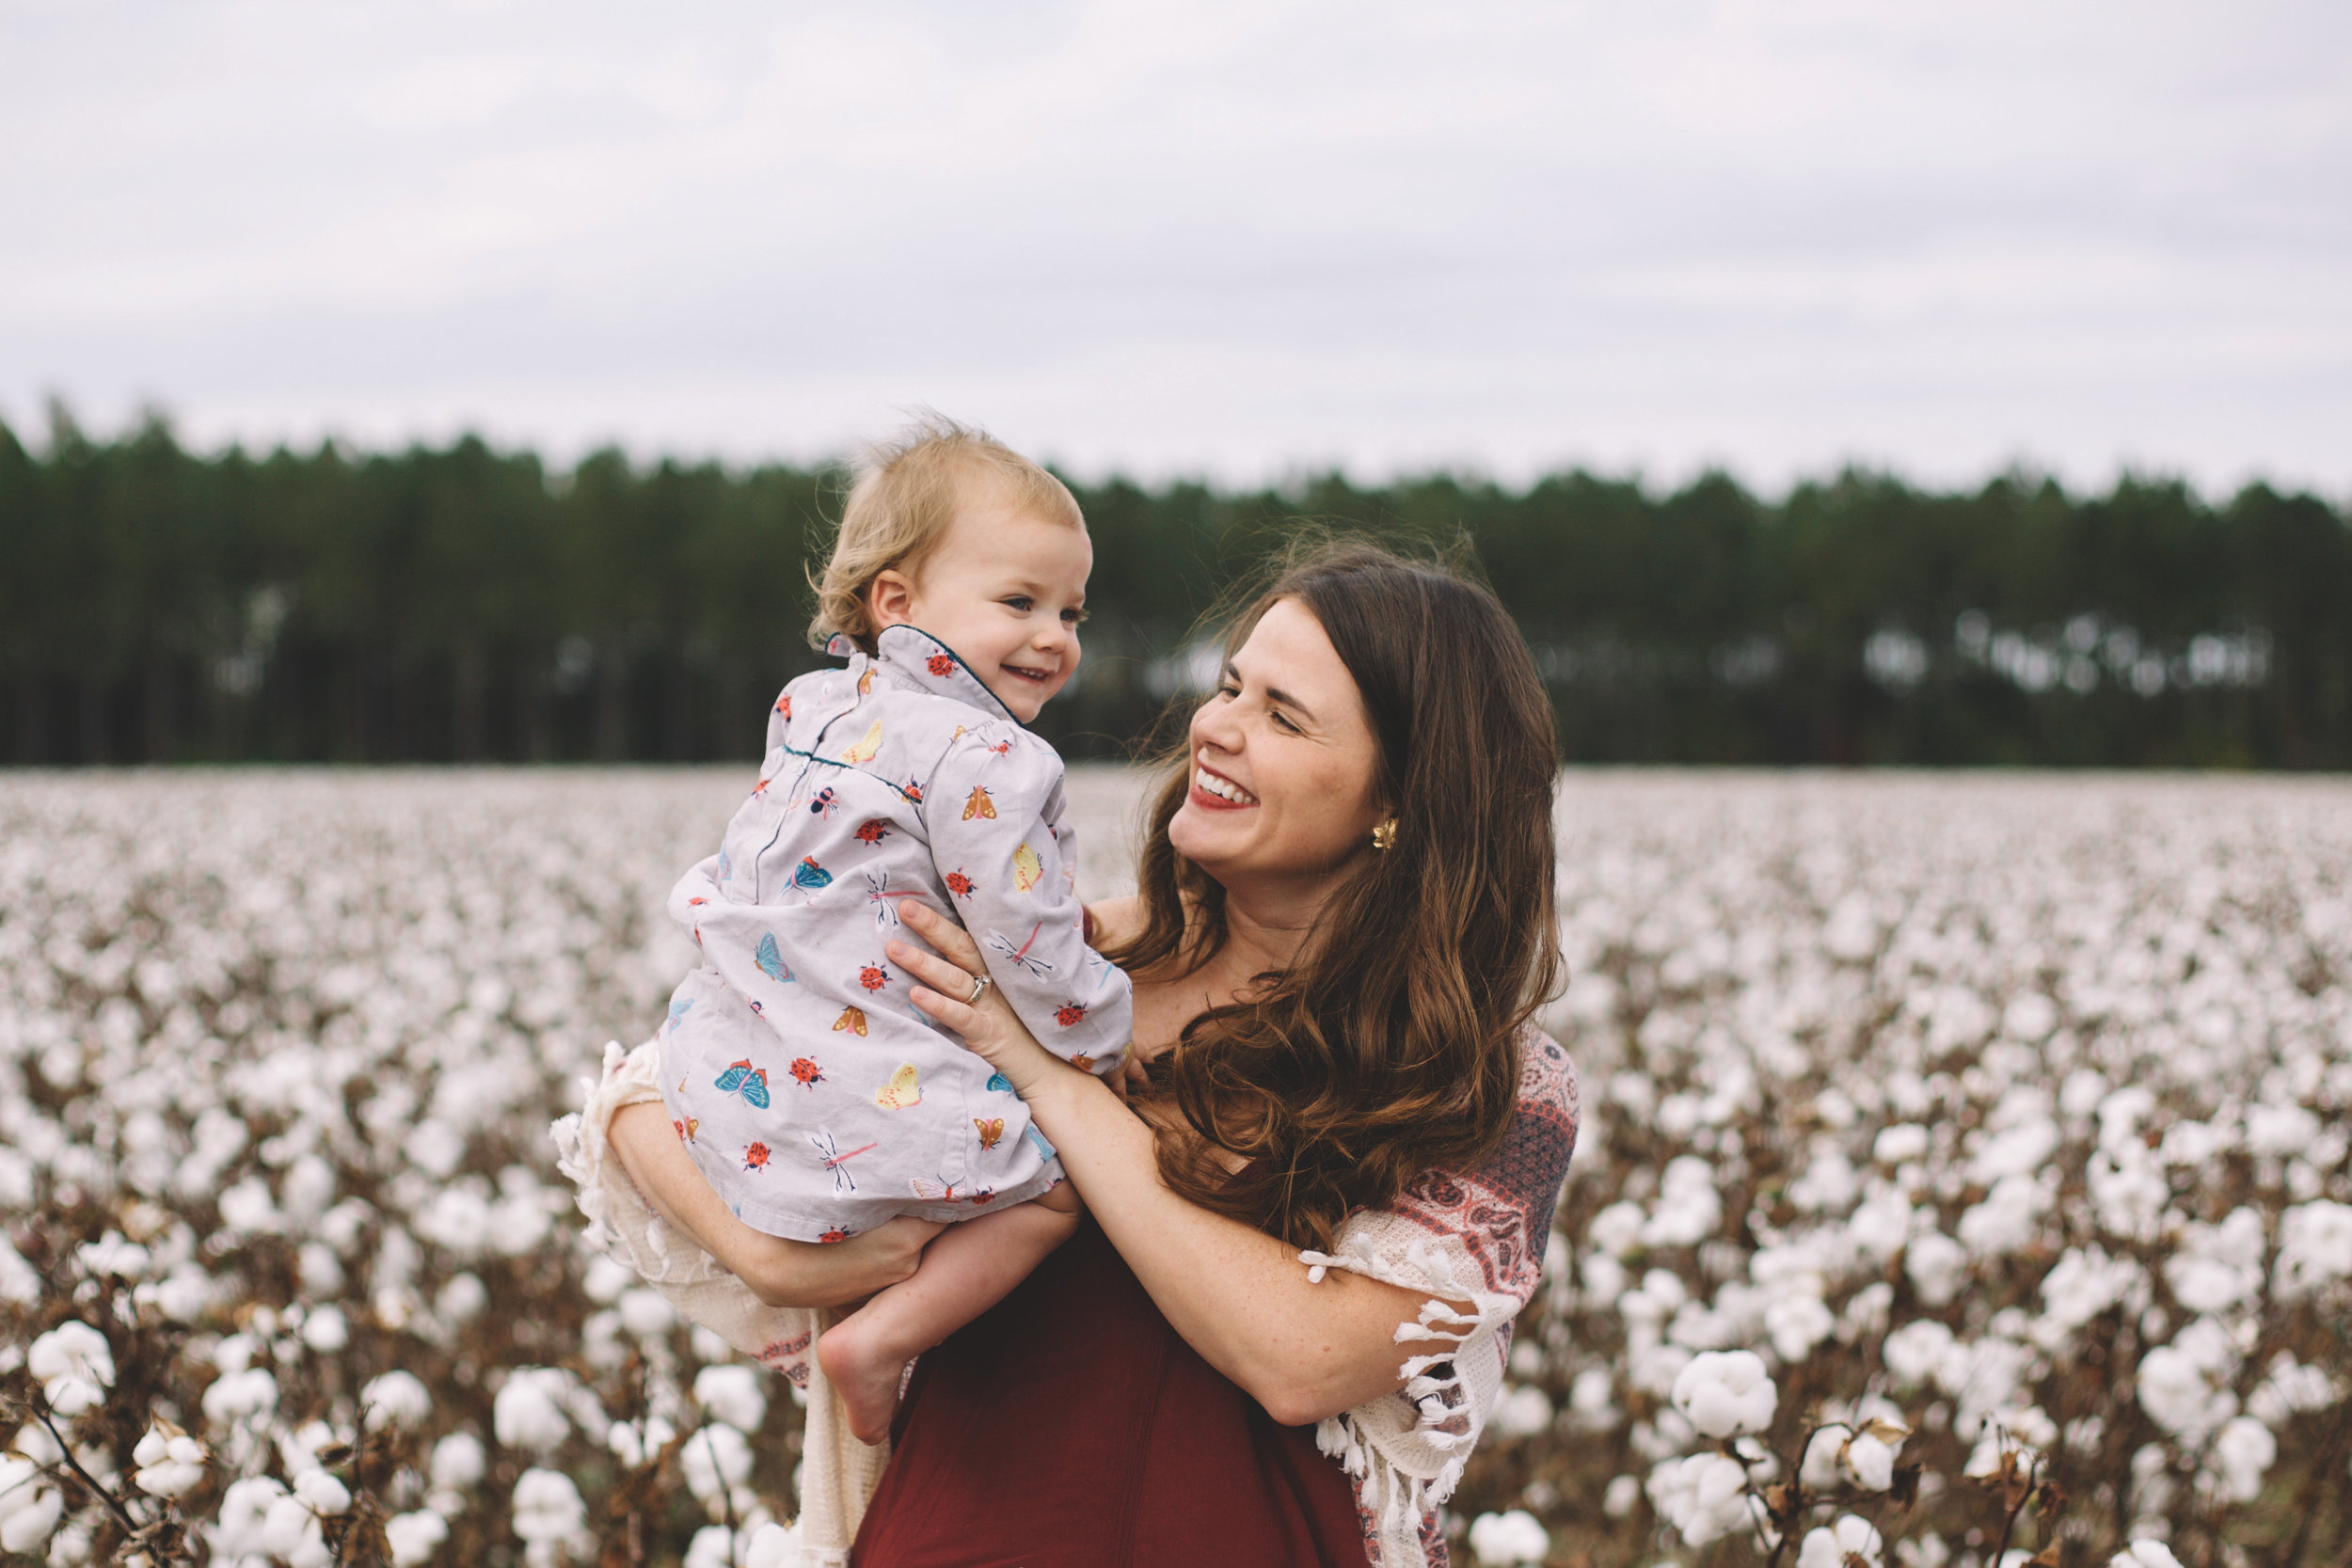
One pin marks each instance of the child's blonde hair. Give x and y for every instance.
(898, 510)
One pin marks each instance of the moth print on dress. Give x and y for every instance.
(831, 1157)
(1083, 1062)
(872, 831)
(938, 1189)
(746, 1079)
(864, 749)
(1027, 870)
(902, 1091)
(992, 1129)
(873, 976)
(865, 689)
(852, 1021)
(959, 884)
(806, 1073)
(770, 959)
(755, 1156)
(979, 804)
(1021, 954)
(686, 1129)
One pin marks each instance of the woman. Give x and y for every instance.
(1338, 1192)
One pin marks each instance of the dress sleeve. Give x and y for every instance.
(992, 806)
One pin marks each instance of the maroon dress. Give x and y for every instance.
(1071, 1427)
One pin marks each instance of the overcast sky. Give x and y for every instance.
(1230, 237)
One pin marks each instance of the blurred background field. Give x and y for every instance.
(2005, 1110)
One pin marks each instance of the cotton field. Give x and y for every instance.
(1963, 1179)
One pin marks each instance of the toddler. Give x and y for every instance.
(813, 1095)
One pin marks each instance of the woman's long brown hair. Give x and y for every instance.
(1389, 1049)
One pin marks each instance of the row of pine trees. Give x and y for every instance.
(465, 603)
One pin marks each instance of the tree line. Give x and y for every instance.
(466, 604)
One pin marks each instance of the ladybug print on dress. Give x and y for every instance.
(835, 1234)
(1070, 1013)
(958, 884)
(939, 665)
(872, 831)
(784, 704)
(806, 1073)
(913, 791)
(873, 976)
(755, 1157)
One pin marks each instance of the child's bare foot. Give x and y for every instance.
(864, 1374)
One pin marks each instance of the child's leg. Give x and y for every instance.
(967, 1270)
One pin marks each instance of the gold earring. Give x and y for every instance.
(1384, 836)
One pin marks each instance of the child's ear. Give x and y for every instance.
(891, 598)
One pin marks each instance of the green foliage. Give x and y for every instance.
(467, 604)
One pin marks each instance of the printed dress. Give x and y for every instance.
(812, 1093)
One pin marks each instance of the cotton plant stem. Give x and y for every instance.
(90, 1482)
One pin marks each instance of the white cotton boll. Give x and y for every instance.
(28, 1516)
(733, 1394)
(321, 1493)
(457, 1220)
(1689, 1207)
(1704, 1497)
(647, 1314)
(460, 1298)
(309, 1186)
(321, 1272)
(1914, 1352)
(1623, 1492)
(1723, 1393)
(290, 1530)
(2030, 1017)
(2009, 1218)
(2019, 1151)
(1522, 1412)
(715, 1459)
(414, 1537)
(1870, 1463)
(2145, 1554)
(712, 1546)
(324, 1330)
(548, 1508)
(1827, 1185)
(2314, 1248)
(1818, 1471)
(2243, 1453)
(2278, 1130)
(244, 1512)
(397, 1399)
(638, 1444)
(1503, 1540)
(1617, 1228)
(527, 1412)
(1796, 1325)
(247, 1206)
(75, 1365)
(606, 1278)
(1847, 1538)
(1882, 1225)
(2291, 1388)
(19, 1282)
(458, 1462)
(2179, 1395)
(1901, 1143)
(2128, 1194)
(772, 1547)
(16, 1180)
(1592, 1398)
(171, 1462)
(1938, 1266)
(2083, 1283)
(240, 1396)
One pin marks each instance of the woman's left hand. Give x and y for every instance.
(990, 1026)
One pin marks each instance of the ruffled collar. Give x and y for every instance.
(924, 659)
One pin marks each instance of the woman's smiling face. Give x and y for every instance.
(1283, 761)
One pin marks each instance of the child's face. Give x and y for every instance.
(1006, 590)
